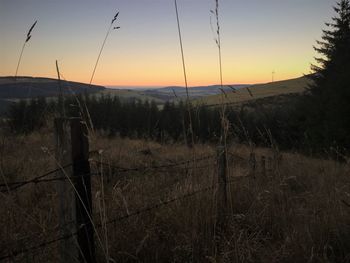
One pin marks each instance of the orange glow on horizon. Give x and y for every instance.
(227, 81)
(208, 82)
(196, 84)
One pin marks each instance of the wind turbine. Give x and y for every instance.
(273, 75)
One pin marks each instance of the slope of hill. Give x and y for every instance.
(174, 92)
(258, 91)
(29, 87)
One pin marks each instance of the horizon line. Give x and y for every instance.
(155, 85)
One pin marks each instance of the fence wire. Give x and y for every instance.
(159, 205)
(16, 185)
(154, 167)
(11, 186)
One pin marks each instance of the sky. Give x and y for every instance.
(257, 38)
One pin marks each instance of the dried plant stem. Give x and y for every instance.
(219, 41)
(224, 123)
(100, 52)
(93, 74)
(24, 44)
(184, 72)
(224, 120)
(60, 99)
(97, 60)
(19, 59)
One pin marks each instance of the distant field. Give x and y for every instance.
(130, 94)
(259, 91)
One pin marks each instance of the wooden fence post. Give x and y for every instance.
(263, 165)
(270, 166)
(252, 164)
(222, 185)
(67, 214)
(82, 182)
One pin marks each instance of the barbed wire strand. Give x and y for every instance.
(167, 202)
(43, 244)
(38, 179)
(34, 180)
(16, 185)
(135, 213)
(155, 167)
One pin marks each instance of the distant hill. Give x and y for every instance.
(29, 87)
(258, 91)
(174, 92)
(130, 94)
(170, 93)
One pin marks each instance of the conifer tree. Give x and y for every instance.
(329, 104)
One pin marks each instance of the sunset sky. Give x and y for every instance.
(258, 36)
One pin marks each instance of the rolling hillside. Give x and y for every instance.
(29, 87)
(175, 92)
(258, 91)
(12, 90)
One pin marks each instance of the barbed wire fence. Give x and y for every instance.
(77, 176)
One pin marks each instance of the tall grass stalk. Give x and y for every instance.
(60, 98)
(28, 37)
(110, 28)
(224, 121)
(184, 72)
(217, 39)
(103, 44)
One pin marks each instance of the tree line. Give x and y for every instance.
(132, 118)
(251, 123)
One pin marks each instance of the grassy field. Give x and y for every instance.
(294, 210)
(258, 91)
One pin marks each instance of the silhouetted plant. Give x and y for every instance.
(28, 37)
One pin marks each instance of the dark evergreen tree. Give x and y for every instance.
(329, 98)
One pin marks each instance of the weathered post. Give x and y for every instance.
(252, 164)
(82, 182)
(270, 166)
(67, 213)
(277, 156)
(263, 165)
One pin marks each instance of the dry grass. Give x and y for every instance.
(293, 213)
